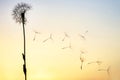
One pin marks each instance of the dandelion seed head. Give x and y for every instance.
(20, 8)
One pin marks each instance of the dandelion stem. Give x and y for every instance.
(24, 50)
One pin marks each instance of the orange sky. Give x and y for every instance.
(47, 61)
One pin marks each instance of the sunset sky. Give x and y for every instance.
(48, 61)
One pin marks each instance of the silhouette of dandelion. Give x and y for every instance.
(19, 15)
(19, 12)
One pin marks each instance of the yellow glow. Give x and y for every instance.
(48, 61)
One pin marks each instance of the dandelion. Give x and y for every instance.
(97, 62)
(107, 70)
(83, 51)
(82, 59)
(19, 16)
(69, 46)
(50, 37)
(65, 36)
(19, 12)
(83, 36)
(36, 32)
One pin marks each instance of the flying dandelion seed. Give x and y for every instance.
(107, 70)
(82, 51)
(36, 32)
(83, 36)
(65, 36)
(49, 38)
(86, 32)
(64, 48)
(69, 46)
(82, 59)
(97, 62)
(34, 37)
(45, 40)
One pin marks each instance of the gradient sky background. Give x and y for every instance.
(47, 61)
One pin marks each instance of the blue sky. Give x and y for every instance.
(105, 11)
